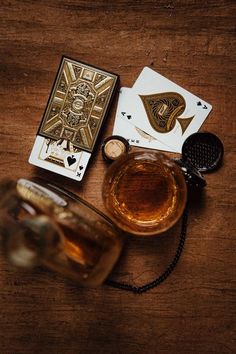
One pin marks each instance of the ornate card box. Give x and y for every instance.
(78, 104)
(76, 108)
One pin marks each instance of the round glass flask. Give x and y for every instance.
(144, 192)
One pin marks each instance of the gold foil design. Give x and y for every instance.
(163, 109)
(78, 104)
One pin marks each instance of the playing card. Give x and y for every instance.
(164, 109)
(136, 136)
(59, 156)
(127, 109)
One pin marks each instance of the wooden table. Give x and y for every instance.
(193, 311)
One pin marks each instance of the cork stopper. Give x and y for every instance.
(113, 147)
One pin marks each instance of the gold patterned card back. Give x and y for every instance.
(163, 109)
(78, 104)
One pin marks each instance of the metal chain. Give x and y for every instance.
(165, 274)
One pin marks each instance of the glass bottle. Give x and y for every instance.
(41, 224)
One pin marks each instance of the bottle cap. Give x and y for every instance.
(203, 150)
(113, 147)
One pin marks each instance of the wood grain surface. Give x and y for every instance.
(192, 43)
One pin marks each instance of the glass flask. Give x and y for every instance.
(144, 192)
(41, 224)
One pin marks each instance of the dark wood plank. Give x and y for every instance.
(192, 43)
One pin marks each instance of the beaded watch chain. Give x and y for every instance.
(166, 273)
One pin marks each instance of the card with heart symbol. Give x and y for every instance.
(161, 109)
(59, 156)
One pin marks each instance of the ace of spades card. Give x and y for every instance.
(134, 135)
(162, 109)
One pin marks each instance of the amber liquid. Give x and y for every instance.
(144, 192)
(62, 232)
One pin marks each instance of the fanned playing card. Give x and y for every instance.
(123, 126)
(164, 109)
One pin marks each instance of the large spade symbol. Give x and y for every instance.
(163, 109)
(71, 160)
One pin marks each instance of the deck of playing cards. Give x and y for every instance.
(77, 106)
(158, 114)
